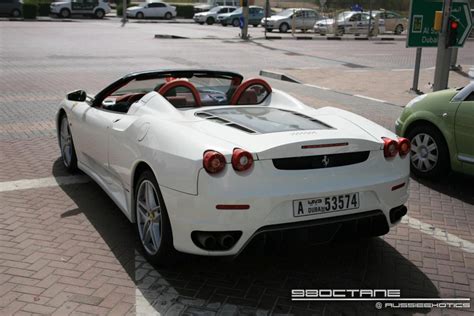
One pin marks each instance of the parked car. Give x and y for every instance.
(440, 126)
(394, 22)
(255, 16)
(210, 17)
(64, 9)
(348, 22)
(202, 161)
(214, 3)
(13, 8)
(152, 10)
(304, 20)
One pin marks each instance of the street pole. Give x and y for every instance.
(443, 56)
(124, 12)
(267, 13)
(245, 29)
(416, 74)
(370, 18)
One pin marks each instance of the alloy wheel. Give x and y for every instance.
(65, 142)
(424, 152)
(149, 217)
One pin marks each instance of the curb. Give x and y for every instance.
(278, 76)
(170, 36)
(40, 19)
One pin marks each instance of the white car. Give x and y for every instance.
(152, 10)
(203, 161)
(348, 22)
(64, 9)
(303, 19)
(210, 17)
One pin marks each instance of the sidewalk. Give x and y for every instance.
(389, 86)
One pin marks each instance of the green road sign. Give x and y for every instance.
(422, 14)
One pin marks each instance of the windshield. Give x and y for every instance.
(213, 90)
(343, 15)
(286, 12)
(238, 11)
(215, 9)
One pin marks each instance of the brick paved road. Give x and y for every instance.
(68, 249)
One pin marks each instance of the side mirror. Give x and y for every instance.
(78, 95)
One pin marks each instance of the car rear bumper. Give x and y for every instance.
(270, 200)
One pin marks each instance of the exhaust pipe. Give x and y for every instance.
(207, 241)
(226, 241)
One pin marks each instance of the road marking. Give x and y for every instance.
(315, 86)
(42, 183)
(369, 98)
(403, 69)
(439, 234)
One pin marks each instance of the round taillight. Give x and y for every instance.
(241, 160)
(390, 147)
(404, 146)
(213, 161)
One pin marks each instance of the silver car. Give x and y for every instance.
(302, 18)
(210, 17)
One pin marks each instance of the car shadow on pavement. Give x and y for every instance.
(455, 185)
(259, 280)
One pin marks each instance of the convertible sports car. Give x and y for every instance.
(441, 128)
(203, 161)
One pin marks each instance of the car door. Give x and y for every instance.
(352, 24)
(310, 20)
(160, 9)
(77, 6)
(298, 19)
(464, 133)
(90, 129)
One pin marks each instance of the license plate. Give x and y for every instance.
(326, 204)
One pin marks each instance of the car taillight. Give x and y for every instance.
(404, 146)
(241, 160)
(390, 147)
(213, 161)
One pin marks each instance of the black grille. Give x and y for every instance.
(321, 161)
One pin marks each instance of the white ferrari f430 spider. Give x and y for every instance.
(203, 161)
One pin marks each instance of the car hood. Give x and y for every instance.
(325, 22)
(277, 18)
(60, 3)
(203, 13)
(255, 129)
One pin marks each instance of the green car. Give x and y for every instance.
(440, 126)
(233, 18)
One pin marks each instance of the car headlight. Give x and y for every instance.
(415, 100)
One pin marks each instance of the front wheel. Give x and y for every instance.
(68, 153)
(64, 13)
(139, 15)
(168, 16)
(16, 13)
(210, 21)
(235, 22)
(284, 28)
(399, 29)
(153, 225)
(429, 152)
(99, 14)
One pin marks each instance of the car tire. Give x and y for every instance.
(255, 25)
(429, 157)
(284, 27)
(235, 23)
(269, 30)
(66, 145)
(209, 21)
(15, 13)
(140, 15)
(152, 222)
(398, 29)
(99, 14)
(64, 13)
(168, 16)
(224, 24)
